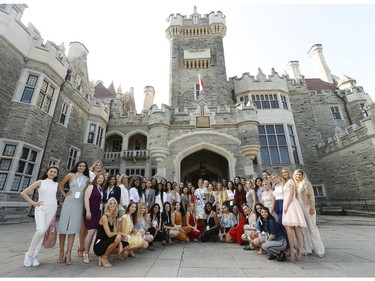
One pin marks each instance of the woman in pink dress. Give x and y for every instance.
(293, 217)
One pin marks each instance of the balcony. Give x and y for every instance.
(135, 154)
(111, 155)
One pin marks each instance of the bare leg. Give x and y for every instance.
(104, 258)
(301, 250)
(68, 253)
(62, 248)
(82, 235)
(290, 234)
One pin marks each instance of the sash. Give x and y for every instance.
(200, 197)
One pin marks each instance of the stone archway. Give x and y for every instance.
(223, 167)
(204, 164)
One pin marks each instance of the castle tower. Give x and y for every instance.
(77, 50)
(196, 48)
(293, 69)
(149, 97)
(320, 65)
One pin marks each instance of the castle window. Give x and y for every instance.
(293, 144)
(335, 111)
(17, 165)
(65, 113)
(53, 162)
(74, 154)
(363, 110)
(29, 89)
(265, 101)
(244, 100)
(273, 145)
(319, 190)
(196, 90)
(95, 133)
(78, 83)
(45, 96)
(284, 102)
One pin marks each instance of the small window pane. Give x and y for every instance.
(44, 86)
(261, 130)
(32, 80)
(16, 183)
(21, 166)
(29, 169)
(25, 183)
(275, 159)
(281, 140)
(33, 155)
(270, 129)
(5, 164)
(25, 153)
(272, 140)
(279, 129)
(9, 150)
(263, 140)
(27, 95)
(3, 179)
(264, 156)
(284, 155)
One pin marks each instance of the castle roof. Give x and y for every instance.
(317, 84)
(111, 89)
(102, 92)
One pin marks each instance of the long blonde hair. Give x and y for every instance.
(145, 216)
(112, 217)
(290, 175)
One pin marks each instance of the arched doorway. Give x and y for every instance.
(204, 164)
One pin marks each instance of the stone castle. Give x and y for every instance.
(51, 113)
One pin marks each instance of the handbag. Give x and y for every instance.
(51, 235)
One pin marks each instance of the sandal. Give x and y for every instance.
(80, 252)
(164, 243)
(107, 265)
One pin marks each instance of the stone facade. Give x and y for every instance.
(236, 126)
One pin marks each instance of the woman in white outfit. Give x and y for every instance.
(45, 210)
(306, 198)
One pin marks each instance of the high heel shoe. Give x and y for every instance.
(68, 257)
(101, 263)
(80, 252)
(292, 256)
(86, 258)
(61, 258)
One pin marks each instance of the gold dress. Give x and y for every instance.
(134, 239)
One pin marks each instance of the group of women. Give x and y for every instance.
(126, 217)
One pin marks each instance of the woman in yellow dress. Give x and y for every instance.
(132, 236)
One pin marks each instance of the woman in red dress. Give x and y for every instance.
(192, 222)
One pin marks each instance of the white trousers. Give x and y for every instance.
(43, 217)
(311, 235)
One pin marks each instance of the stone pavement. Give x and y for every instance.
(349, 243)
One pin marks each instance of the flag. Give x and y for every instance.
(201, 84)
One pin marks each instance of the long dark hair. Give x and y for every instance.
(45, 176)
(86, 172)
(233, 186)
(256, 211)
(108, 180)
(151, 211)
(167, 215)
(134, 215)
(255, 182)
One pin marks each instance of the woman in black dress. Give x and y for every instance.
(108, 239)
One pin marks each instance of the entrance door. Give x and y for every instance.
(204, 164)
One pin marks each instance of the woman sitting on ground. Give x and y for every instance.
(212, 224)
(235, 233)
(166, 221)
(227, 221)
(275, 242)
(155, 218)
(191, 221)
(254, 233)
(133, 236)
(144, 225)
(107, 238)
(177, 222)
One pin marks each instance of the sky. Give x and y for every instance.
(127, 43)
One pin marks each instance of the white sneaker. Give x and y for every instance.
(35, 261)
(27, 261)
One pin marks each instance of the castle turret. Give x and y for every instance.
(196, 48)
(77, 50)
(293, 70)
(320, 65)
(149, 97)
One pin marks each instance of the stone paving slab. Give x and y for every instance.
(348, 242)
